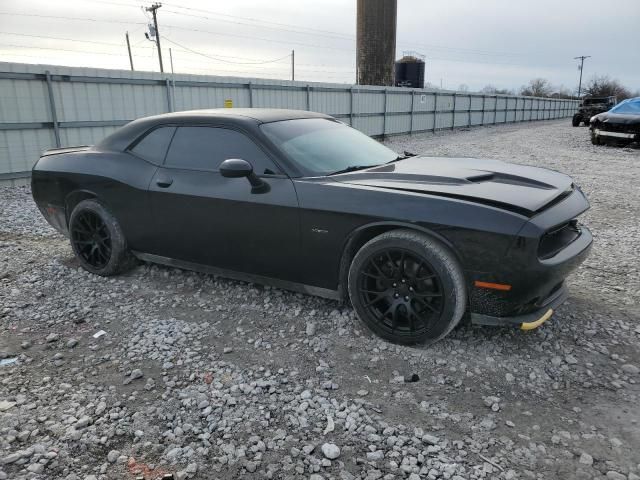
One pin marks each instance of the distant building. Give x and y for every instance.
(376, 42)
(410, 70)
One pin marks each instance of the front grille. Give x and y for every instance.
(558, 238)
(619, 127)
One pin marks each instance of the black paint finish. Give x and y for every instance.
(304, 230)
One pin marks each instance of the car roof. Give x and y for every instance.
(123, 137)
(261, 115)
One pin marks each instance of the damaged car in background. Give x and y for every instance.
(301, 201)
(619, 126)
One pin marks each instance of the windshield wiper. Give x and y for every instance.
(352, 168)
(404, 156)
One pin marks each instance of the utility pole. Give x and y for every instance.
(153, 8)
(293, 65)
(582, 59)
(129, 48)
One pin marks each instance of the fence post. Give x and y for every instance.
(308, 97)
(413, 99)
(168, 85)
(484, 104)
(52, 106)
(453, 115)
(351, 106)
(384, 118)
(495, 111)
(250, 87)
(435, 110)
(524, 104)
(469, 111)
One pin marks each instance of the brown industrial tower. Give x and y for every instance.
(376, 48)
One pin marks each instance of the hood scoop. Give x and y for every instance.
(517, 188)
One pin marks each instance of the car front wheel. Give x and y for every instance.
(407, 287)
(97, 240)
(575, 121)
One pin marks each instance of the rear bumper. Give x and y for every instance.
(527, 321)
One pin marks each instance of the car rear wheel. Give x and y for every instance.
(575, 121)
(407, 288)
(97, 240)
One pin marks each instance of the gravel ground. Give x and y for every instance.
(204, 377)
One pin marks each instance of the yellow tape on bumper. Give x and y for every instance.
(537, 323)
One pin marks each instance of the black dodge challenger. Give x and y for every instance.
(301, 201)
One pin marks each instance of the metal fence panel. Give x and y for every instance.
(47, 106)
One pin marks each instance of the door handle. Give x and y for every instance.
(164, 182)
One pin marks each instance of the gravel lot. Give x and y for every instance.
(204, 377)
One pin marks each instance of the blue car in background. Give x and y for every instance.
(618, 126)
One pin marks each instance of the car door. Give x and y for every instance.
(202, 217)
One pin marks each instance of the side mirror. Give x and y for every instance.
(238, 168)
(235, 168)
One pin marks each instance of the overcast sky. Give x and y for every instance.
(500, 42)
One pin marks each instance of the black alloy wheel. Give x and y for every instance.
(97, 239)
(407, 287)
(401, 291)
(91, 239)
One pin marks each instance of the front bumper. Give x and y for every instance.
(528, 321)
(605, 133)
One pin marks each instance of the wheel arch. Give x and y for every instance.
(74, 198)
(361, 235)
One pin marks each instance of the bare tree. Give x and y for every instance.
(500, 91)
(538, 87)
(603, 86)
(562, 92)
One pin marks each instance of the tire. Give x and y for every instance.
(97, 240)
(395, 275)
(586, 123)
(575, 121)
(595, 139)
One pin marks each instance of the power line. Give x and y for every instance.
(262, 39)
(65, 39)
(221, 60)
(61, 17)
(306, 29)
(314, 33)
(61, 50)
(413, 45)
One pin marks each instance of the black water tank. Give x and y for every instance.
(410, 72)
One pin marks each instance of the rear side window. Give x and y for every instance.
(205, 148)
(153, 147)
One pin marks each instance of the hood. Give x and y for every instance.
(618, 118)
(517, 188)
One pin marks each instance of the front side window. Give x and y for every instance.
(153, 146)
(320, 146)
(205, 148)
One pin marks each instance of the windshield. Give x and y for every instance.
(629, 106)
(320, 146)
